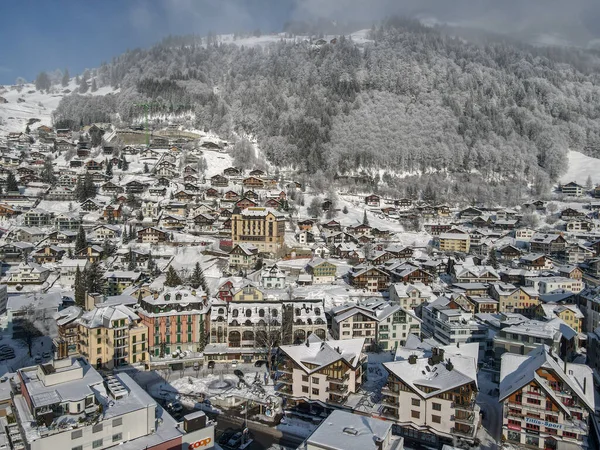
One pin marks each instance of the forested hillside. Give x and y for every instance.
(414, 100)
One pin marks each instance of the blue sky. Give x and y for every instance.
(78, 34)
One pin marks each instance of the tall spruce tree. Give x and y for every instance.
(365, 218)
(79, 287)
(131, 263)
(11, 183)
(80, 240)
(197, 278)
(173, 278)
(94, 281)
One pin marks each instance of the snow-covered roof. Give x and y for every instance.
(104, 316)
(344, 430)
(323, 353)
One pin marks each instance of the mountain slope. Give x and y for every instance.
(408, 99)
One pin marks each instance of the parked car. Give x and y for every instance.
(260, 363)
(235, 440)
(211, 365)
(46, 355)
(234, 363)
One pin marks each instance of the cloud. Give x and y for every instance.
(4, 69)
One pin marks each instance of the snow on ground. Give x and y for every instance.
(296, 426)
(491, 430)
(580, 167)
(40, 105)
(217, 162)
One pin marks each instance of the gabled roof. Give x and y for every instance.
(518, 371)
(324, 353)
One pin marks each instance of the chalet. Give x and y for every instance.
(232, 172)
(93, 253)
(62, 237)
(112, 212)
(372, 200)
(253, 182)
(578, 254)
(211, 193)
(191, 188)
(379, 257)
(277, 195)
(62, 145)
(273, 203)
(536, 261)
(572, 189)
(204, 221)
(135, 187)
(436, 229)
(482, 221)
(59, 193)
(570, 271)
(509, 252)
(15, 251)
(158, 190)
(99, 177)
(189, 170)
(400, 251)
(231, 195)
(67, 221)
(505, 224)
(93, 165)
(29, 273)
(67, 180)
(111, 188)
(172, 221)
(322, 271)
(76, 163)
(243, 256)
(108, 149)
(442, 210)
(305, 237)
(251, 195)
(8, 211)
(370, 278)
(245, 203)
(48, 254)
(37, 217)
(184, 196)
(190, 178)
(129, 150)
(360, 229)
(470, 213)
(219, 181)
(580, 225)
(163, 181)
(306, 224)
(102, 232)
(570, 214)
(548, 243)
(91, 204)
(332, 225)
(409, 273)
(152, 235)
(178, 208)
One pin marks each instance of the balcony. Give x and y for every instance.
(338, 380)
(337, 388)
(285, 389)
(285, 369)
(468, 419)
(390, 402)
(462, 432)
(389, 413)
(387, 391)
(286, 378)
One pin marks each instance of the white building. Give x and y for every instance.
(432, 394)
(545, 285)
(68, 269)
(344, 431)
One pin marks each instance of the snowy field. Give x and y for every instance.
(580, 167)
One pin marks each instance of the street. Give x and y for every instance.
(263, 436)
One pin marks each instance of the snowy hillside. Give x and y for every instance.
(580, 167)
(35, 104)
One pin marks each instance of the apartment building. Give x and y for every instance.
(545, 285)
(243, 256)
(261, 227)
(322, 271)
(527, 336)
(118, 281)
(431, 394)
(113, 336)
(512, 299)
(353, 322)
(321, 371)
(547, 402)
(455, 241)
(67, 404)
(408, 295)
(177, 320)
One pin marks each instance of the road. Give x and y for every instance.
(264, 436)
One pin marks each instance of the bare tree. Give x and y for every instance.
(268, 336)
(25, 326)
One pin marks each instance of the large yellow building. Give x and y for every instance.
(262, 227)
(455, 241)
(112, 336)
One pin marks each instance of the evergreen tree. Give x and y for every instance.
(65, 78)
(173, 278)
(89, 188)
(146, 169)
(83, 86)
(11, 183)
(42, 82)
(27, 129)
(345, 210)
(493, 259)
(131, 263)
(107, 248)
(94, 281)
(109, 169)
(365, 218)
(79, 287)
(94, 87)
(47, 172)
(124, 164)
(588, 183)
(197, 278)
(80, 240)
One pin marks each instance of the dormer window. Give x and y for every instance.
(167, 297)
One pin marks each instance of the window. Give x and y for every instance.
(415, 414)
(76, 434)
(315, 380)
(436, 406)
(97, 428)
(117, 422)
(416, 402)
(79, 447)
(305, 378)
(99, 350)
(99, 341)
(97, 443)
(436, 419)
(117, 437)
(315, 391)
(305, 389)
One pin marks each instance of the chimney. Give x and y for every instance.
(584, 384)
(412, 359)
